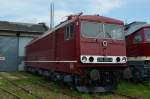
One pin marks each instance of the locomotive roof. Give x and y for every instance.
(100, 19)
(82, 17)
(135, 28)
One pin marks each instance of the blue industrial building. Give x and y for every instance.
(13, 38)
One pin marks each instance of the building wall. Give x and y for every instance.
(23, 41)
(8, 53)
(12, 50)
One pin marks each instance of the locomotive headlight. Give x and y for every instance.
(118, 59)
(91, 59)
(124, 59)
(84, 59)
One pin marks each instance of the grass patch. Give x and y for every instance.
(29, 81)
(134, 89)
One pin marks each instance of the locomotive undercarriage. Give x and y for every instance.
(97, 80)
(94, 80)
(139, 71)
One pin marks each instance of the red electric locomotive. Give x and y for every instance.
(86, 51)
(138, 50)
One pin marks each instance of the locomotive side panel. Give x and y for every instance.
(65, 48)
(42, 50)
(55, 51)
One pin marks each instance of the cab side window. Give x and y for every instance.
(69, 31)
(137, 39)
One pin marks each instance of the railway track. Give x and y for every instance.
(45, 85)
(48, 86)
(124, 95)
(42, 84)
(11, 93)
(30, 92)
(19, 87)
(112, 94)
(94, 96)
(51, 89)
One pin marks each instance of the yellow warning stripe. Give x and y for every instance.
(138, 58)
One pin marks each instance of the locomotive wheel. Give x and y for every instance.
(127, 74)
(86, 85)
(137, 76)
(75, 82)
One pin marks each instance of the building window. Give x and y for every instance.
(69, 31)
(137, 39)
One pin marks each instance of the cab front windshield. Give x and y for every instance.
(102, 30)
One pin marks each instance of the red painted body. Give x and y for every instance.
(141, 48)
(53, 47)
(138, 52)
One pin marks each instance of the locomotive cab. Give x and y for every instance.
(102, 42)
(101, 50)
(138, 46)
(147, 34)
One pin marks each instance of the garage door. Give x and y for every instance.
(8, 53)
(23, 41)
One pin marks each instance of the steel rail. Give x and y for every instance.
(124, 95)
(51, 89)
(13, 94)
(22, 88)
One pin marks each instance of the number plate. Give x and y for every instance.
(102, 59)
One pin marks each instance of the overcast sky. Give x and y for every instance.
(35, 11)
